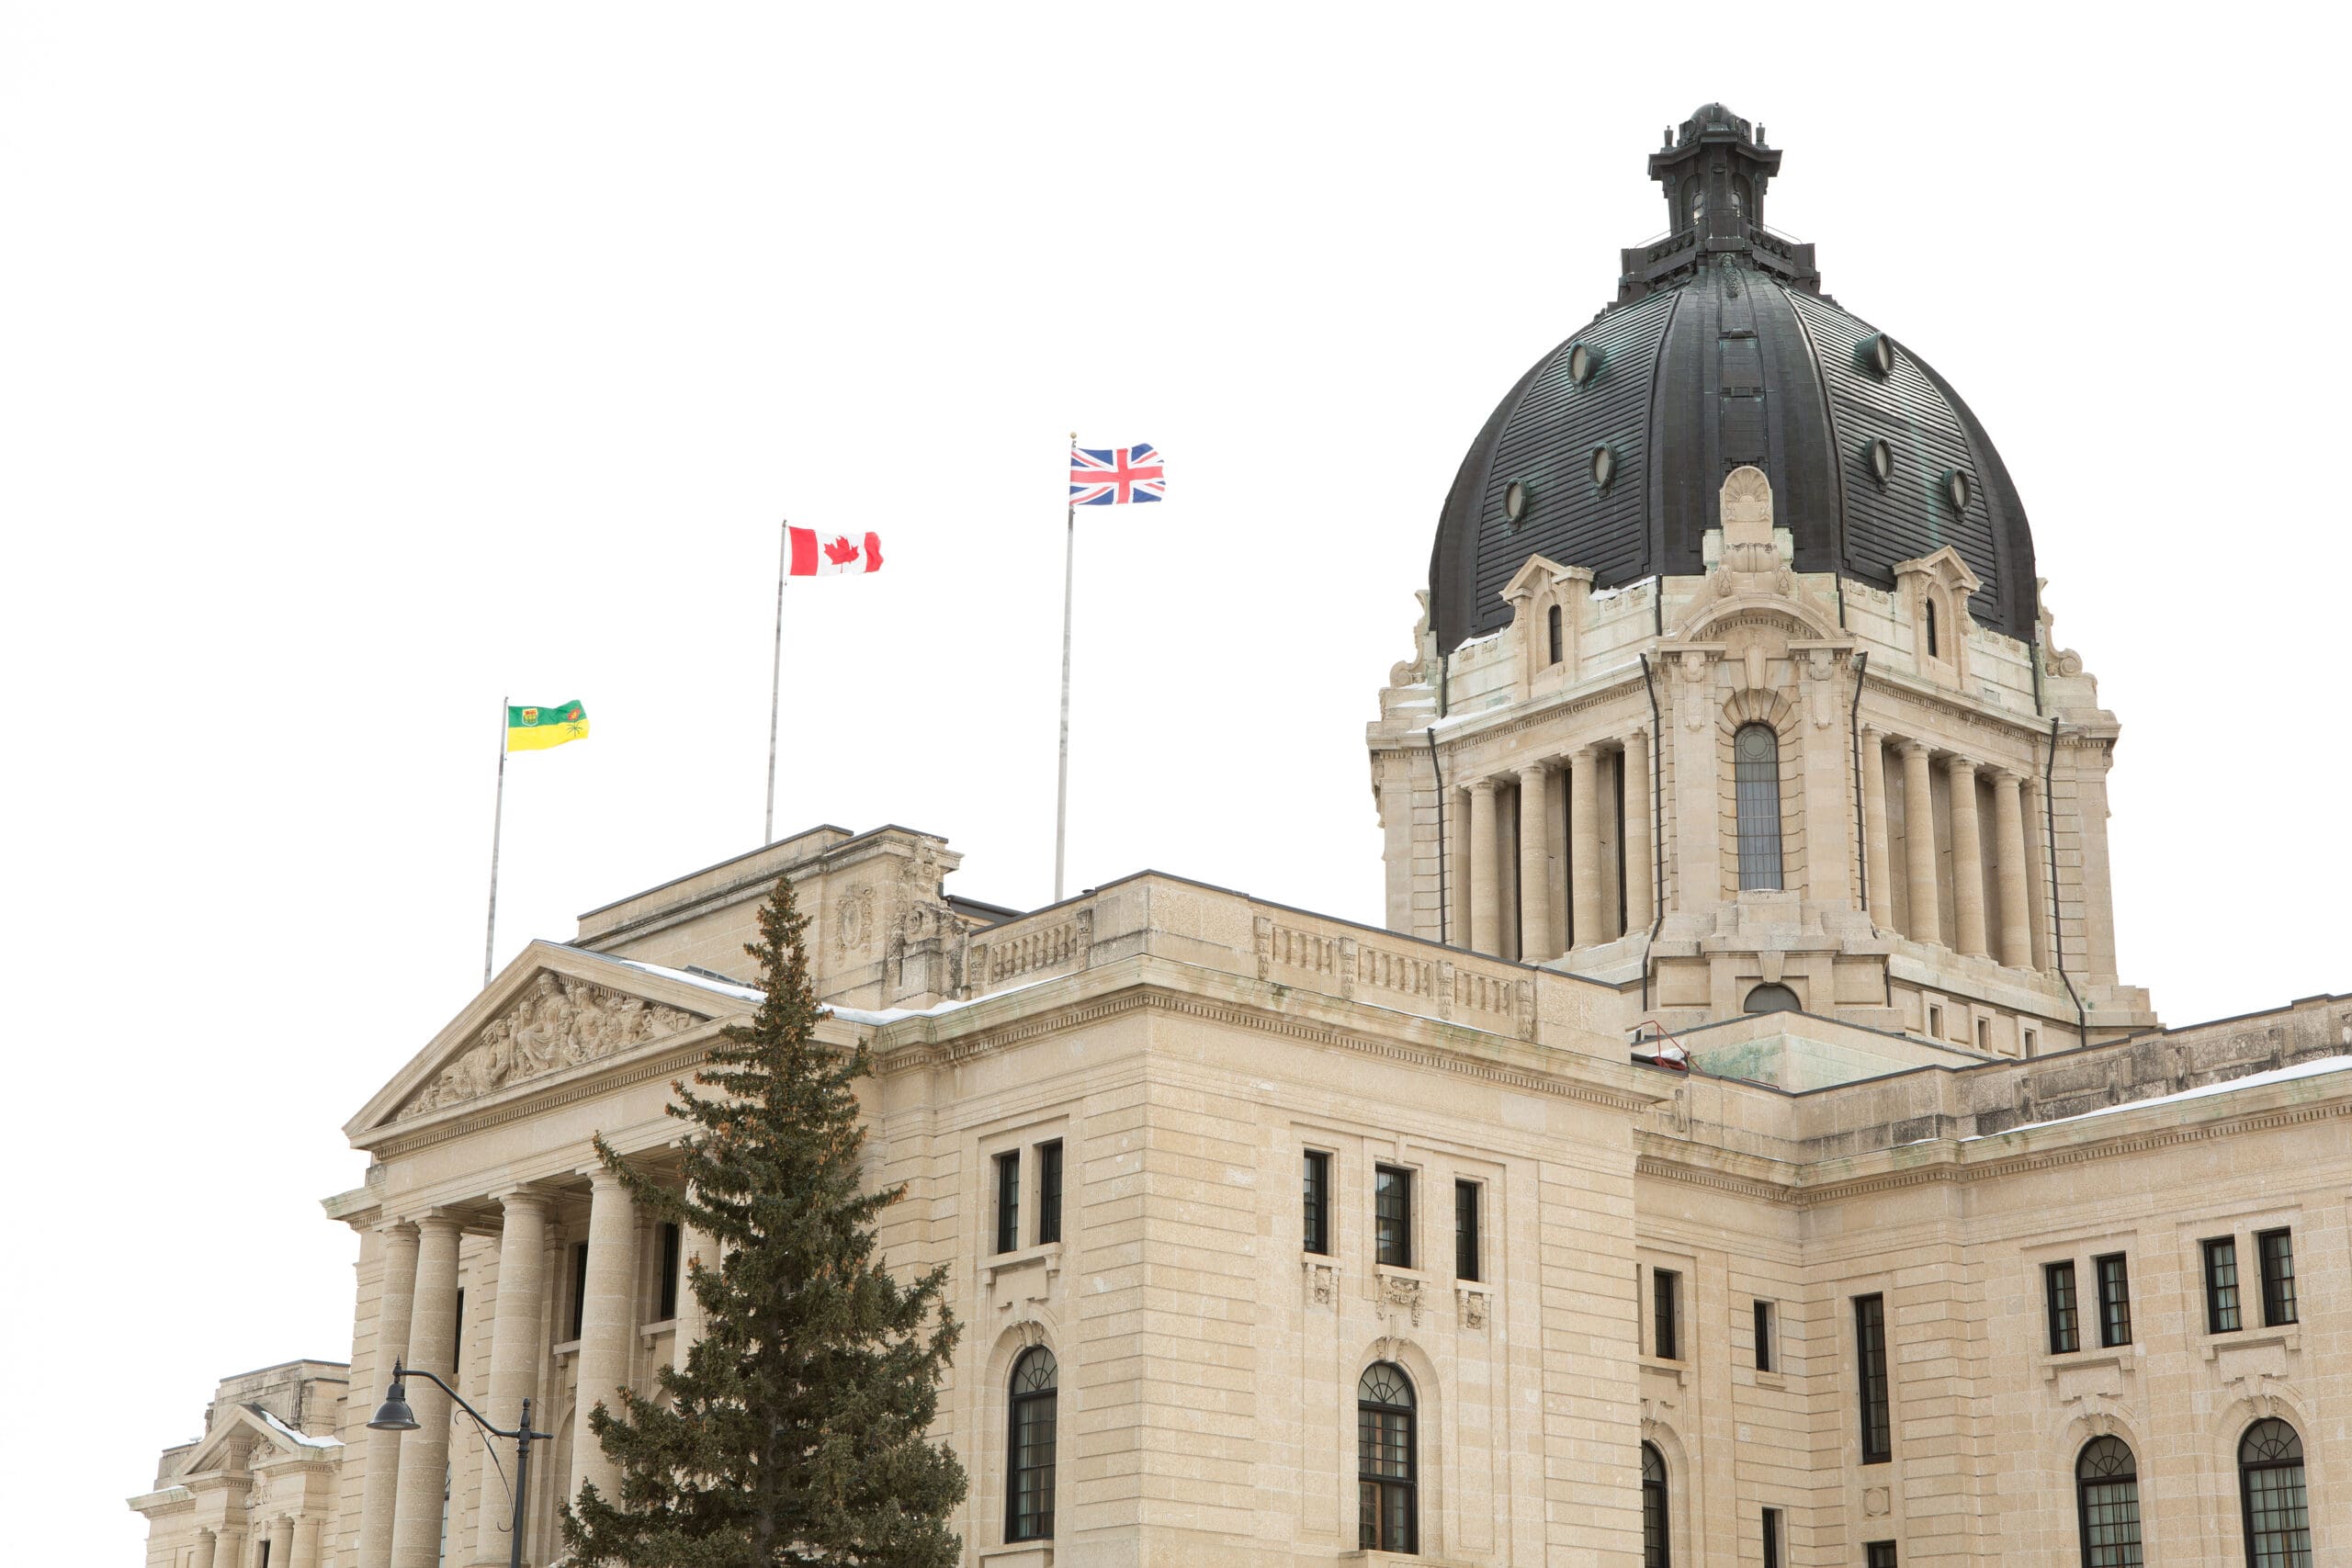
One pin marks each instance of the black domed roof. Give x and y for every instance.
(1722, 351)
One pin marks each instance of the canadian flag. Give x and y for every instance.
(823, 554)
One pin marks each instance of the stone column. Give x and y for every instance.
(1967, 860)
(1879, 871)
(432, 1345)
(232, 1552)
(2037, 857)
(1584, 846)
(2009, 852)
(395, 1298)
(514, 1347)
(607, 1324)
(1535, 943)
(1486, 907)
(1641, 856)
(692, 1244)
(1920, 842)
(306, 1542)
(281, 1542)
(207, 1545)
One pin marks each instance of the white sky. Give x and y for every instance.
(361, 365)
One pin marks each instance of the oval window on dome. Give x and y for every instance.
(1605, 466)
(1515, 503)
(1958, 489)
(1877, 355)
(1878, 458)
(1582, 363)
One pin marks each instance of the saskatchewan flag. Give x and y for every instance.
(537, 729)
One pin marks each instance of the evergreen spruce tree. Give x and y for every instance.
(795, 1433)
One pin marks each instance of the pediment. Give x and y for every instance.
(555, 1009)
(247, 1438)
(1539, 574)
(1946, 567)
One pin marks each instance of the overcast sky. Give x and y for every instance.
(360, 366)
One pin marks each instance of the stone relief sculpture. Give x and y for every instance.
(558, 1023)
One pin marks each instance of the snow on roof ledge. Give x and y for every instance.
(305, 1439)
(2315, 1068)
(703, 981)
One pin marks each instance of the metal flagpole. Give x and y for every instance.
(497, 825)
(775, 671)
(1061, 783)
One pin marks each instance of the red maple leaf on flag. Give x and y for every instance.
(839, 551)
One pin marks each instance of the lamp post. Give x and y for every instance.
(395, 1415)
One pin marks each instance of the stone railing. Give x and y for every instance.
(1432, 982)
(1050, 941)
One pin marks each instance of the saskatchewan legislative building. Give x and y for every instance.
(1738, 1146)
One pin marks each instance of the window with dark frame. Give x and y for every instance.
(1755, 790)
(1870, 1356)
(1030, 1442)
(2058, 1294)
(672, 1244)
(457, 1329)
(2221, 1285)
(2275, 1252)
(1008, 1200)
(1763, 1337)
(579, 1286)
(1387, 1486)
(1466, 1230)
(1658, 1540)
(1049, 1191)
(2114, 1300)
(2270, 1496)
(1314, 1187)
(1771, 1537)
(1392, 1216)
(2107, 1505)
(1877, 1555)
(1553, 621)
(1665, 1290)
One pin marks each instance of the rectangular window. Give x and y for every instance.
(1869, 1355)
(2114, 1300)
(671, 1250)
(1935, 1021)
(1049, 1191)
(2032, 1042)
(1314, 1187)
(2276, 1252)
(1764, 1337)
(1879, 1555)
(457, 1329)
(2058, 1291)
(1466, 1230)
(1392, 1216)
(2221, 1285)
(1008, 1200)
(1665, 1287)
(1771, 1537)
(579, 1285)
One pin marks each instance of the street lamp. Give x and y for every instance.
(395, 1415)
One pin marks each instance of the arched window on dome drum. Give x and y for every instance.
(1657, 1546)
(1387, 1488)
(1933, 651)
(1029, 1463)
(1771, 999)
(1756, 782)
(1553, 622)
(2270, 1487)
(1694, 201)
(2107, 1503)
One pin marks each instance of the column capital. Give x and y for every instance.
(403, 1228)
(435, 1219)
(1485, 785)
(522, 1195)
(1957, 766)
(1907, 748)
(602, 1175)
(1871, 735)
(1584, 756)
(1535, 773)
(2005, 775)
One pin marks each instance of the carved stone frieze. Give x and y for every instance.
(558, 1023)
(1401, 1296)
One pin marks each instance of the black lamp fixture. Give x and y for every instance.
(395, 1415)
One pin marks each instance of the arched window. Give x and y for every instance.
(2270, 1484)
(1771, 999)
(2107, 1503)
(1933, 651)
(1029, 1463)
(1657, 1549)
(1387, 1508)
(1554, 620)
(1756, 777)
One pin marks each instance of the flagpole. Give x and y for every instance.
(776, 672)
(1061, 782)
(497, 825)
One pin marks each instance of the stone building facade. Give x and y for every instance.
(1737, 1146)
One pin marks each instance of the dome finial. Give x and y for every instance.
(1715, 168)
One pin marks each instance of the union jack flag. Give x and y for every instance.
(1113, 476)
